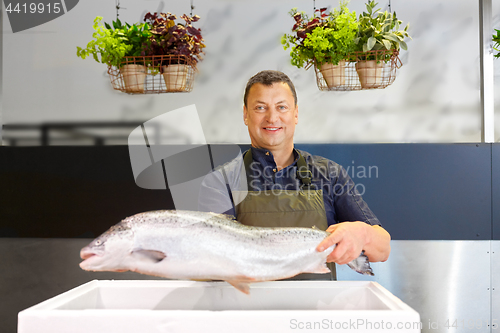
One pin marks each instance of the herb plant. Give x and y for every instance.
(328, 38)
(496, 46)
(136, 35)
(380, 30)
(112, 44)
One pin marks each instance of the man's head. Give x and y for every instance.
(271, 111)
(267, 78)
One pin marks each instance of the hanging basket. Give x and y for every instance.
(154, 74)
(360, 70)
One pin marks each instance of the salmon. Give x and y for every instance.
(209, 246)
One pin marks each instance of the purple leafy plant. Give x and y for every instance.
(171, 38)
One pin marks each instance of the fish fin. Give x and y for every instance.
(320, 269)
(225, 216)
(241, 286)
(361, 265)
(241, 283)
(152, 255)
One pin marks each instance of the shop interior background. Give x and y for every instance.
(435, 97)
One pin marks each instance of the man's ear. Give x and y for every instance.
(296, 114)
(245, 115)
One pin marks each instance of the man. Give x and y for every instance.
(288, 187)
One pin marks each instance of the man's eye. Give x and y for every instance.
(282, 108)
(259, 108)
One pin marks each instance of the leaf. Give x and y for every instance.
(392, 37)
(387, 44)
(371, 43)
(107, 26)
(403, 45)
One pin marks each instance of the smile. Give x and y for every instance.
(272, 128)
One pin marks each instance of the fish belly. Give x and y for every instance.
(219, 256)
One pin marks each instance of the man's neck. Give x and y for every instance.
(283, 157)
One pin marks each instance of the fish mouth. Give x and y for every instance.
(86, 254)
(89, 257)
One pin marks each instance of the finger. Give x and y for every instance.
(339, 252)
(346, 258)
(351, 252)
(332, 228)
(329, 241)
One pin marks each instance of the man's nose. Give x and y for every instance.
(272, 116)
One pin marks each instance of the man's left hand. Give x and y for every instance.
(354, 237)
(350, 238)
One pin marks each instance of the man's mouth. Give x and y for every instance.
(272, 128)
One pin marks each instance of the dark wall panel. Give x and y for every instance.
(495, 162)
(422, 191)
(69, 191)
(418, 191)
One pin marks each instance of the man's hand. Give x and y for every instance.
(352, 238)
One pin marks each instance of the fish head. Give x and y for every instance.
(110, 251)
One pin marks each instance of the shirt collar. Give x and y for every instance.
(265, 157)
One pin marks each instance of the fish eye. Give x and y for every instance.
(98, 242)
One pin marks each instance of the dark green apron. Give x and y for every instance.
(285, 208)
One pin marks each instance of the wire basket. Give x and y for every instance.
(154, 74)
(360, 70)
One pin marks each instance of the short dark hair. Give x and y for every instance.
(267, 78)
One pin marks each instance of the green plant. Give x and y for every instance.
(111, 44)
(137, 35)
(380, 30)
(496, 46)
(328, 38)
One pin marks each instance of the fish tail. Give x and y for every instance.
(361, 265)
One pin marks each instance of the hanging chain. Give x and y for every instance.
(192, 7)
(117, 5)
(390, 8)
(314, 8)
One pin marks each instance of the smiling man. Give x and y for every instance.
(271, 113)
(287, 187)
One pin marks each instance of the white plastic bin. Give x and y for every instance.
(188, 306)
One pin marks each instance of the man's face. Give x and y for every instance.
(271, 116)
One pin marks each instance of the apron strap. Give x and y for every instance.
(303, 172)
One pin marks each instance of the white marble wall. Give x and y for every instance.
(496, 25)
(435, 97)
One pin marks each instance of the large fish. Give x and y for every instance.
(199, 246)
